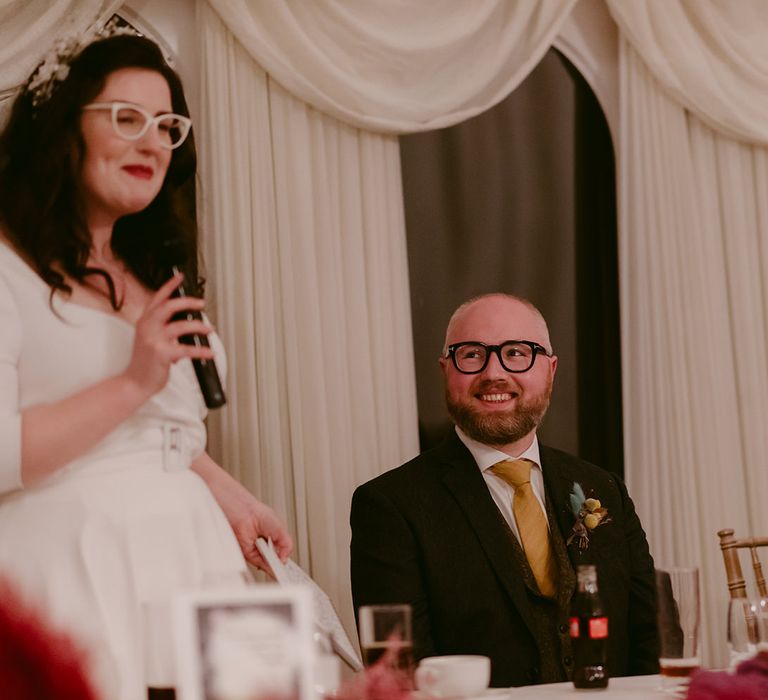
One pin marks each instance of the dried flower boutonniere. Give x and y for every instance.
(589, 514)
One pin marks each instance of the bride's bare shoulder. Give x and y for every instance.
(14, 251)
(8, 243)
(5, 241)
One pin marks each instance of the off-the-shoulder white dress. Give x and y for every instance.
(102, 544)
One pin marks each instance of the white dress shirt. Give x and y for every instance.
(486, 456)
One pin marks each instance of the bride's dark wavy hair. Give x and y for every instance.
(41, 194)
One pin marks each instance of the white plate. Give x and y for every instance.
(489, 694)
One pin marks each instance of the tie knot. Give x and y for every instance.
(515, 472)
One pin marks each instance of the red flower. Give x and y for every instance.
(37, 663)
(382, 681)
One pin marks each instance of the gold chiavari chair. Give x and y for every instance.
(730, 547)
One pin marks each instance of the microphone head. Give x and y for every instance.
(176, 257)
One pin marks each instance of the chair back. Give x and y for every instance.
(730, 547)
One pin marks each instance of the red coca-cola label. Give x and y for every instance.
(598, 628)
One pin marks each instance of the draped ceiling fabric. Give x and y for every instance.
(397, 65)
(29, 27)
(711, 55)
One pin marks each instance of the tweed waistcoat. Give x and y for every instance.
(549, 615)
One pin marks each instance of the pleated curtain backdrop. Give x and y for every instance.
(308, 269)
(694, 292)
(305, 242)
(694, 334)
(305, 246)
(672, 391)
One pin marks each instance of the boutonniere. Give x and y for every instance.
(589, 514)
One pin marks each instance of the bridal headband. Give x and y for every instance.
(54, 68)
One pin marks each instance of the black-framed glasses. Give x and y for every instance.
(471, 357)
(131, 122)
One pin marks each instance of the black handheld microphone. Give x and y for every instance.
(205, 370)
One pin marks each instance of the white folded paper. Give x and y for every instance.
(326, 617)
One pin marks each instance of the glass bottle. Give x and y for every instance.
(589, 632)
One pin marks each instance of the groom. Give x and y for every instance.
(480, 535)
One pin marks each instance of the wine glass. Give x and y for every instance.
(762, 625)
(743, 630)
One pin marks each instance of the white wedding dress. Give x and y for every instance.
(100, 547)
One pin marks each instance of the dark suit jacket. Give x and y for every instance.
(429, 533)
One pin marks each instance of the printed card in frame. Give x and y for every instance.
(244, 644)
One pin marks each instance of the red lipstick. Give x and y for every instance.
(141, 171)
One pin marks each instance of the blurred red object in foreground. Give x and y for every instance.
(750, 682)
(37, 663)
(382, 681)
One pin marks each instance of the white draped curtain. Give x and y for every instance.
(29, 27)
(305, 242)
(308, 272)
(397, 65)
(305, 231)
(692, 204)
(693, 169)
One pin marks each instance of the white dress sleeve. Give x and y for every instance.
(10, 417)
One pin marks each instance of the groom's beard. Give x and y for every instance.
(498, 428)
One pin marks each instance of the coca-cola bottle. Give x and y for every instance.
(589, 632)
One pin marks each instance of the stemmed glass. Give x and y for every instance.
(762, 625)
(743, 629)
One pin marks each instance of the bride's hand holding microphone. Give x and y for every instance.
(157, 343)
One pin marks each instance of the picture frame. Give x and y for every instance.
(244, 644)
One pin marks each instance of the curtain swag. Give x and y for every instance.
(29, 27)
(393, 66)
(711, 55)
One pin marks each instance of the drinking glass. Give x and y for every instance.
(743, 630)
(762, 625)
(387, 628)
(678, 617)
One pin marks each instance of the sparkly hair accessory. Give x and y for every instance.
(54, 67)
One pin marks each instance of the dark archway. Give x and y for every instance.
(522, 199)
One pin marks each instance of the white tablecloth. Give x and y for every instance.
(631, 688)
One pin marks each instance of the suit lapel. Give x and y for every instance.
(559, 477)
(463, 479)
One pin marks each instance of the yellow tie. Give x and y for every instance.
(531, 522)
